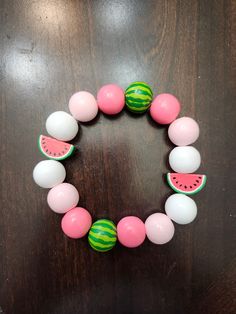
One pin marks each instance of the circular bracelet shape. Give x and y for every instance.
(130, 231)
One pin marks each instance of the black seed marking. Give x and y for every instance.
(174, 178)
(200, 178)
(191, 187)
(46, 150)
(180, 184)
(195, 184)
(197, 181)
(177, 182)
(185, 187)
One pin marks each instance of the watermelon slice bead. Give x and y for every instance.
(54, 149)
(186, 183)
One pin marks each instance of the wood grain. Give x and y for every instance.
(50, 49)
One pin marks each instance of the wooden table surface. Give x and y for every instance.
(50, 49)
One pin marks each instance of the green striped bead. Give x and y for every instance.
(102, 235)
(138, 97)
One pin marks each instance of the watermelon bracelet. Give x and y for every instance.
(183, 159)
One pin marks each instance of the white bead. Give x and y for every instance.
(49, 173)
(62, 126)
(181, 208)
(184, 159)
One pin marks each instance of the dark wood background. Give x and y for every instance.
(49, 50)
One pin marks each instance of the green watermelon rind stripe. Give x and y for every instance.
(137, 110)
(100, 246)
(104, 229)
(108, 234)
(137, 84)
(99, 249)
(138, 92)
(138, 100)
(107, 221)
(104, 224)
(139, 96)
(137, 106)
(101, 241)
(68, 154)
(204, 179)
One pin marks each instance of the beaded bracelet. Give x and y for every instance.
(183, 159)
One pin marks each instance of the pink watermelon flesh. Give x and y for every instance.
(54, 149)
(186, 183)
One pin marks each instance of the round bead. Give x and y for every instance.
(76, 222)
(159, 228)
(102, 236)
(62, 198)
(181, 208)
(165, 108)
(83, 106)
(138, 97)
(111, 99)
(49, 173)
(183, 131)
(184, 159)
(62, 126)
(131, 231)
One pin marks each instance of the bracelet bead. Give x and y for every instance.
(183, 131)
(83, 106)
(62, 126)
(165, 108)
(62, 198)
(76, 222)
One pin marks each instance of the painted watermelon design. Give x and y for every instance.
(102, 235)
(186, 183)
(138, 97)
(54, 149)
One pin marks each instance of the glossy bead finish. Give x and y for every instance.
(49, 173)
(165, 108)
(181, 208)
(62, 198)
(62, 126)
(131, 231)
(83, 106)
(183, 131)
(111, 99)
(184, 159)
(76, 222)
(159, 228)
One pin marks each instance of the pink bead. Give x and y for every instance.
(62, 198)
(165, 108)
(83, 106)
(131, 231)
(76, 222)
(159, 228)
(111, 99)
(183, 131)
